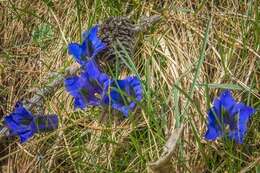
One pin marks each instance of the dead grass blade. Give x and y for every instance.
(162, 165)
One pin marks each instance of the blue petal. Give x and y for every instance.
(77, 51)
(123, 109)
(72, 84)
(79, 102)
(21, 114)
(116, 97)
(91, 39)
(25, 136)
(92, 33)
(122, 84)
(19, 120)
(98, 48)
(212, 133)
(131, 87)
(214, 128)
(244, 113)
(132, 105)
(137, 87)
(213, 118)
(237, 136)
(217, 107)
(92, 69)
(15, 128)
(103, 78)
(227, 101)
(90, 46)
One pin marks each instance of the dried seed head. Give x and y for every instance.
(120, 38)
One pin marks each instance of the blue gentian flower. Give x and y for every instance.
(227, 112)
(22, 123)
(90, 46)
(94, 88)
(122, 95)
(88, 88)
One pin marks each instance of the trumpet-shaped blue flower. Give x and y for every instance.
(122, 95)
(22, 123)
(94, 88)
(227, 112)
(90, 46)
(88, 88)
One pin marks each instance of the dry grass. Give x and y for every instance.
(178, 89)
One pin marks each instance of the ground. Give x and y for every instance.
(198, 50)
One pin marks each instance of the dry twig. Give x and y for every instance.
(162, 165)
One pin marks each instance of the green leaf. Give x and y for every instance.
(42, 33)
(221, 86)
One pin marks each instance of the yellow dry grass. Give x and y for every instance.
(168, 57)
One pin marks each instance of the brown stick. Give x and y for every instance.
(147, 22)
(50, 89)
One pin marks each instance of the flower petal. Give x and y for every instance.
(91, 33)
(93, 43)
(123, 109)
(15, 128)
(238, 132)
(227, 101)
(212, 133)
(79, 102)
(77, 51)
(137, 87)
(217, 107)
(25, 136)
(123, 94)
(214, 127)
(20, 114)
(92, 69)
(73, 84)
